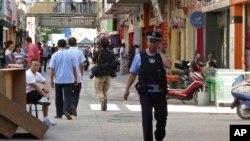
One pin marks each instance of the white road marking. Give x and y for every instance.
(171, 108)
(134, 107)
(111, 107)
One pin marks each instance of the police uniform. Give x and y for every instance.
(152, 90)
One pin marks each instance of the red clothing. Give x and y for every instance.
(33, 53)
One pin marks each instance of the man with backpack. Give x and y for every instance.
(103, 58)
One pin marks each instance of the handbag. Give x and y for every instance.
(96, 70)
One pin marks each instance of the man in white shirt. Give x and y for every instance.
(123, 58)
(36, 93)
(80, 59)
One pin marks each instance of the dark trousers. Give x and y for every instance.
(41, 62)
(63, 98)
(73, 7)
(159, 103)
(45, 61)
(76, 94)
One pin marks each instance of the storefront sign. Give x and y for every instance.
(214, 4)
(67, 22)
(197, 19)
(158, 14)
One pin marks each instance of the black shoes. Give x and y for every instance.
(67, 115)
(73, 112)
(58, 116)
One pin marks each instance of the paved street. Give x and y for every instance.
(122, 121)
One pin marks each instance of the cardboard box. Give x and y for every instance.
(9, 127)
(21, 117)
(13, 105)
(13, 85)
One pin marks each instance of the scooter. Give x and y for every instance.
(179, 77)
(241, 94)
(196, 83)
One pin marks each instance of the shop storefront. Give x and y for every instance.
(216, 32)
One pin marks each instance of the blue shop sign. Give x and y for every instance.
(197, 19)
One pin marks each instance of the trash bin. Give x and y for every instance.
(211, 88)
(203, 98)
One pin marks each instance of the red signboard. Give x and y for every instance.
(164, 27)
(122, 31)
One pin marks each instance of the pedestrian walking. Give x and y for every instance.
(131, 55)
(46, 53)
(63, 69)
(103, 58)
(80, 59)
(150, 66)
(40, 49)
(33, 52)
(123, 59)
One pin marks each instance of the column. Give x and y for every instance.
(236, 43)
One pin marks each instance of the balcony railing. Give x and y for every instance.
(61, 9)
(80, 22)
(210, 5)
(212, 2)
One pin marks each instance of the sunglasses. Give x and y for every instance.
(152, 40)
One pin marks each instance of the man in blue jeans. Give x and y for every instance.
(63, 69)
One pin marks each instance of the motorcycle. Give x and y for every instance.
(179, 78)
(193, 83)
(241, 94)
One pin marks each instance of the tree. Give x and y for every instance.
(45, 31)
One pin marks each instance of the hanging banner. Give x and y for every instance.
(157, 11)
(122, 31)
(164, 27)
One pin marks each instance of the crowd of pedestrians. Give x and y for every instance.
(23, 54)
(66, 66)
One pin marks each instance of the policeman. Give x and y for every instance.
(150, 66)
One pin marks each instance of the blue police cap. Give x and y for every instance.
(154, 35)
